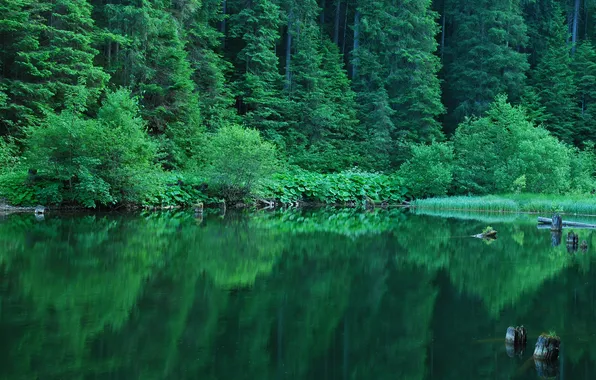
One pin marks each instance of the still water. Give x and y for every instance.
(327, 294)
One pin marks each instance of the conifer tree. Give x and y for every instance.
(584, 65)
(259, 84)
(322, 130)
(482, 54)
(46, 51)
(397, 74)
(554, 85)
(154, 63)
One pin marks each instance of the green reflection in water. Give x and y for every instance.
(329, 294)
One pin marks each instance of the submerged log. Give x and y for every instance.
(486, 235)
(547, 347)
(566, 223)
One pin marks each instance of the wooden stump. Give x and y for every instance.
(547, 347)
(555, 238)
(572, 242)
(547, 369)
(516, 335)
(557, 223)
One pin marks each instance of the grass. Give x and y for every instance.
(534, 203)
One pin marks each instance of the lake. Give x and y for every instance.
(324, 294)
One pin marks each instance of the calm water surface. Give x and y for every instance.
(289, 295)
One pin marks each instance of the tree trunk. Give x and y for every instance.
(336, 28)
(289, 51)
(322, 13)
(443, 31)
(343, 42)
(576, 8)
(223, 23)
(356, 43)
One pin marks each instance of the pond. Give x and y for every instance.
(325, 294)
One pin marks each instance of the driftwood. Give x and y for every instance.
(547, 347)
(486, 235)
(566, 223)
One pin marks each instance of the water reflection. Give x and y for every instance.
(330, 294)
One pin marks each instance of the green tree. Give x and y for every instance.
(46, 51)
(238, 160)
(430, 170)
(556, 93)
(482, 56)
(259, 82)
(584, 67)
(151, 59)
(512, 147)
(397, 84)
(322, 132)
(93, 161)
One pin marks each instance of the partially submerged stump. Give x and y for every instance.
(39, 210)
(547, 347)
(557, 223)
(547, 369)
(555, 238)
(516, 335)
(491, 234)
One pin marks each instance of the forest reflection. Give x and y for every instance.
(329, 294)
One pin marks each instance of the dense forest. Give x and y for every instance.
(152, 102)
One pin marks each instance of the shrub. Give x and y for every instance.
(583, 166)
(238, 160)
(430, 170)
(9, 154)
(87, 161)
(492, 152)
(347, 186)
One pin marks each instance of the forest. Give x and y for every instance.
(171, 102)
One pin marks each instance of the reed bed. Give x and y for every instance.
(529, 203)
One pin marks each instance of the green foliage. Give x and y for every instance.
(238, 160)
(175, 189)
(554, 84)
(482, 55)
(430, 170)
(511, 147)
(569, 204)
(46, 51)
(398, 90)
(348, 186)
(92, 162)
(17, 191)
(9, 154)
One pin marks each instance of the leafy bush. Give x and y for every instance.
(347, 186)
(583, 167)
(103, 161)
(430, 170)
(9, 154)
(492, 152)
(176, 189)
(14, 187)
(238, 160)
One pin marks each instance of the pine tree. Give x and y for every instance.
(412, 82)
(322, 126)
(554, 84)
(209, 67)
(397, 75)
(154, 63)
(260, 83)
(584, 66)
(45, 52)
(482, 55)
